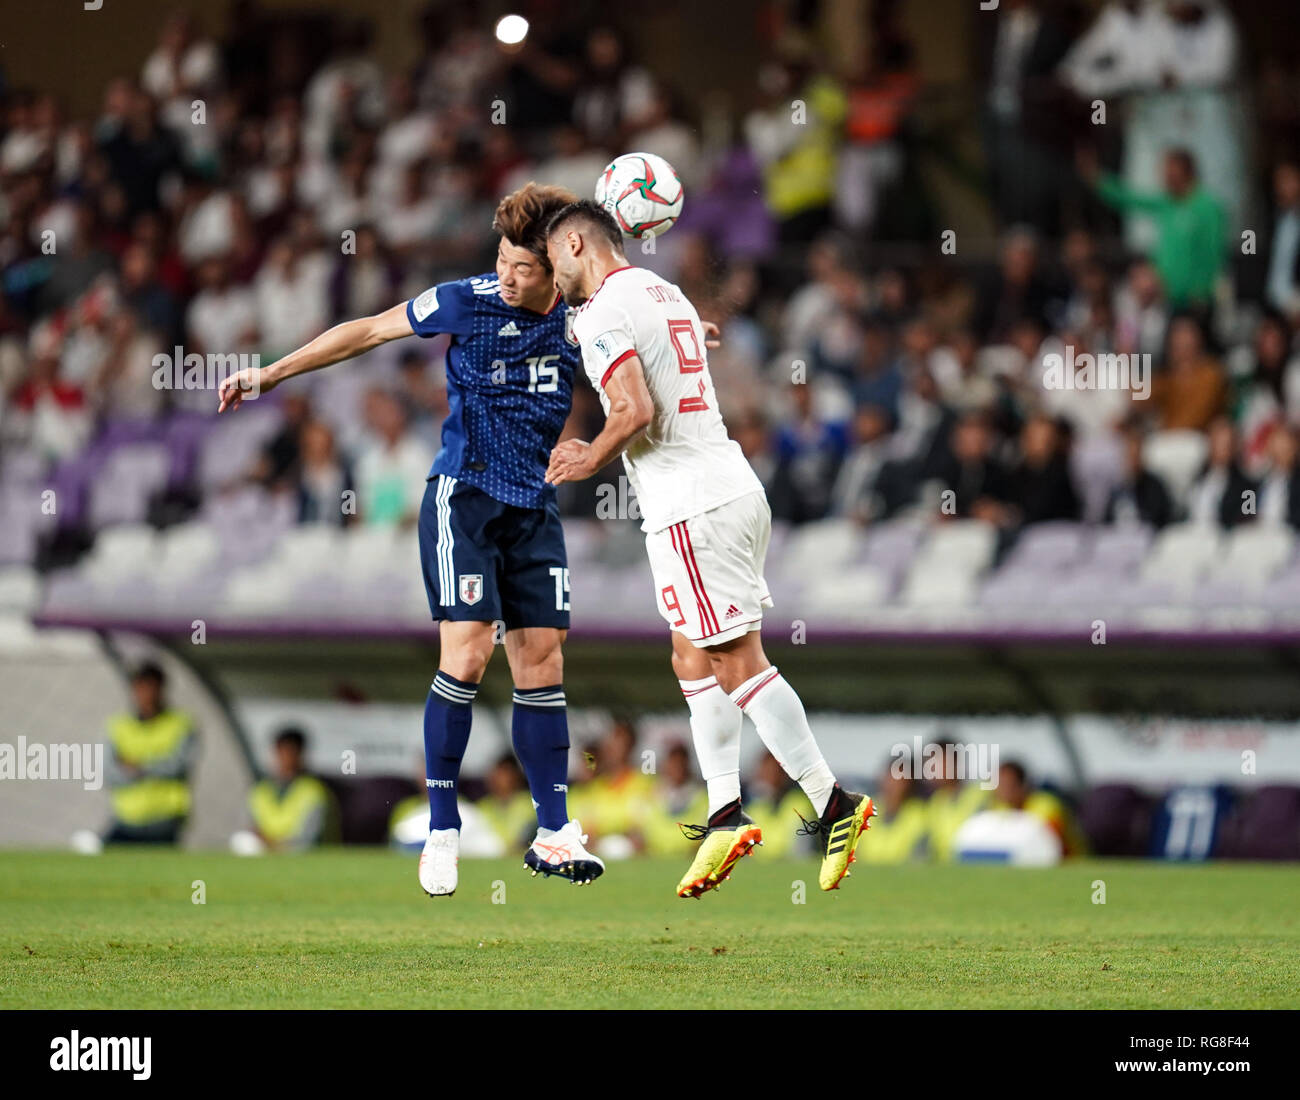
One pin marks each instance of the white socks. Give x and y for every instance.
(715, 729)
(778, 715)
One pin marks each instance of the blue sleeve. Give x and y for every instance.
(447, 307)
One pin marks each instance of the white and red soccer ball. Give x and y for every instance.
(642, 193)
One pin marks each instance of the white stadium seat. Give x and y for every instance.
(1176, 457)
(1182, 553)
(1254, 554)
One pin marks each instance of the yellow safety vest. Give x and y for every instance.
(511, 820)
(947, 810)
(280, 817)
(780, 823)
(663, 836)
(613, 807)
(897, 837)
(804, 178)
(142, 742)
(405, 809)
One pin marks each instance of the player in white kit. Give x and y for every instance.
(707, 524)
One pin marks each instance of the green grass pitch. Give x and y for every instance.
(351, 929)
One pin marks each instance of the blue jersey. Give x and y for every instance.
(509, 387)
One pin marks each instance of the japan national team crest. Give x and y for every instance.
(471, 588)
(569, 317)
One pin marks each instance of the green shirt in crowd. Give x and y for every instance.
(1189, 246)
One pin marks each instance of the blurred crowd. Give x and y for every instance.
(242, 193)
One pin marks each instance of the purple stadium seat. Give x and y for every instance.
(120, 490)
(364, 805)
(1048, 546)
(892, 545)
(184, 436)
(1283, 591)
(1018, 586)
(1119, 548)
(231, 447)
(1266, 825)
(1116, 819)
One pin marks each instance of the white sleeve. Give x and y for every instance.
(605, 332)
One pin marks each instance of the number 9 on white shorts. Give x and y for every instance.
(708, 570)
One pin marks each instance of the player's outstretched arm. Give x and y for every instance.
(631, 409)
(341, 342)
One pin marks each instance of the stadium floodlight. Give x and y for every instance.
(511, 29)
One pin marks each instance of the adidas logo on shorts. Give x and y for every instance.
(732, 612)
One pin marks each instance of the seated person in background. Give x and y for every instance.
(679, 798)
(1219, 494)
(1192, 388)
(612, 805)
(980, 484)
(901, 833)
(776, 805)
(1279, 490)
(323, 478)
(1014, 793)
(289, 808)
(854, 492)
(507, 807)
(1141, 497)
(1040, 482)
(151, 752)
(951, 802)
(408, 825)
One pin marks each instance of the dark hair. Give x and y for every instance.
(508, 760)
(1017, 769)
(592, 214)
(522, 216)
(291, 735)
(148, 670)
(1186, 157)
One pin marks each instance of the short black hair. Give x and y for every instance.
(590, 213)
(1018, 770)
(291, 735)
(148, 670)
(1185, 157)
(508, 760)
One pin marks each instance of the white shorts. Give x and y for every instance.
(708, 570)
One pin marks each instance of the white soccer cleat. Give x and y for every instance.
(439, 862)
(562, 853)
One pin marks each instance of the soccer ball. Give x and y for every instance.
(642, 193)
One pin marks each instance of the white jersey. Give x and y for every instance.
(684, 463)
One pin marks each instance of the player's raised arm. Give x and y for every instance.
(344, 341)
(630, 411)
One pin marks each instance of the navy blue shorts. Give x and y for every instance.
(484, 560)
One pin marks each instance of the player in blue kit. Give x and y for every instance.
(490, 535)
